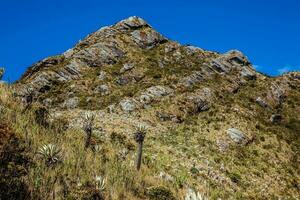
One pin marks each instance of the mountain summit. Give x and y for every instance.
(128, 54)
(213, 123)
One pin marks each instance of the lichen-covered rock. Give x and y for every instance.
(102, 75)
(71, 103)
(154, 93)
(233, 60)
(126, 67)
(237, 135)
(100, 54)
(193, 79)
(200, 101)
(133, 22)
(128, 105)
(192, 50)
(147, 38)
(102, 89)
(123, 80)
(276, 94)
(171, 46)
(261, 102)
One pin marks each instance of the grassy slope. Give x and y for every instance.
(266, 168)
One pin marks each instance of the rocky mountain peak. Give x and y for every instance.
(209, 117)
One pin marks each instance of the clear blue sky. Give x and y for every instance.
(268, 31)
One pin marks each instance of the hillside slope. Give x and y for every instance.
(213, 123)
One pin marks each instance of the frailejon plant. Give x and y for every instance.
(100, 183)
(139, 138)
(50, 153)
(88, 129)
(192, 195)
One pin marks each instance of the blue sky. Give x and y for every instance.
(268, 32)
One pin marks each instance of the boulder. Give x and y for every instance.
(237, 135)
(276, 94)
(154, 93)
(261, 102)
(126, 67)
(123, 80)
(100, 54)
(171, 46)
(102, 75)
(192, 79)
(133, 22)
(102, 89)
(200, 101)
(71, 103)
(234, 60)
(128, 105)
(147, 39)
(192, 50)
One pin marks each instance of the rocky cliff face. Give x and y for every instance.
(129, 74)
(128, 54)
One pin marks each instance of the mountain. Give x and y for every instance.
(212, 122)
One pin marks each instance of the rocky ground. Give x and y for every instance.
(213, 123)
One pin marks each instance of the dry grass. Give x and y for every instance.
(187, 152)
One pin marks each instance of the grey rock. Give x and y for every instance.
(128, 105)
(234, 60)
(261, 102)
(172, 46)
(102, 75)
(159, 91)
(276, 94)
(192, 50)
(71, 103)
(200, 101)
(100, 54)
(145, 99)
(123, 80)
(192, 79)
(126, 67)
(133, 22)
(44, 79)
(154, 93)
(247, 74)
(237, 135)
(102, 89)
(147, 39)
